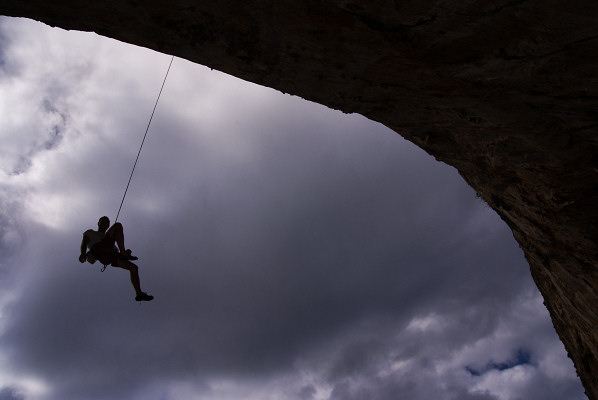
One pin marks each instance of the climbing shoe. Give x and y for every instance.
(127, 256)
(143, 297)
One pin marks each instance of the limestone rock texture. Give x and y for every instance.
(506, 91)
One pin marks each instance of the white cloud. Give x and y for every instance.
(295, 252)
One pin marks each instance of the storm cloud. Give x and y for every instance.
(294, 252)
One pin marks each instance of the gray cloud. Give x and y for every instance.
(294, 252)
(8, 393)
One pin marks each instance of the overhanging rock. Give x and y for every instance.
(505, 91)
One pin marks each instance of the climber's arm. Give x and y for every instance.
(84, 242)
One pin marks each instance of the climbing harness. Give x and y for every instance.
(140, 147)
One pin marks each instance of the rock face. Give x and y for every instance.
(506, 91)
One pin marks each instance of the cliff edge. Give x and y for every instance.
(506, 91)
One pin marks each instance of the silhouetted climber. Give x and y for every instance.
(101, 247)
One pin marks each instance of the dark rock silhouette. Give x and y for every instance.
(506, 91)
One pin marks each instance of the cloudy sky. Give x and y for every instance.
(294, 252)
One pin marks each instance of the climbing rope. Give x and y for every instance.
(143, 141)
(141, 146)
